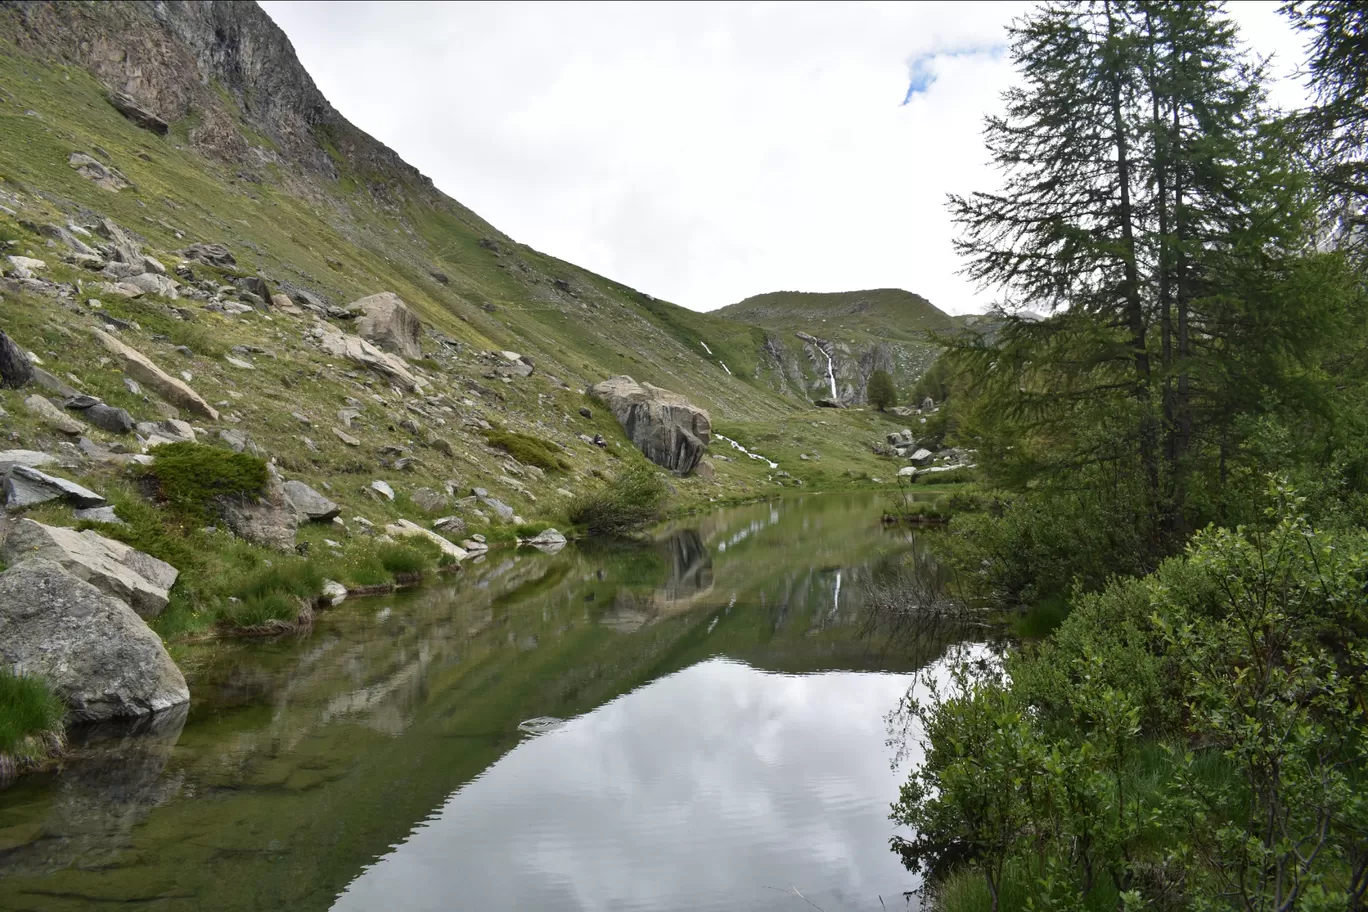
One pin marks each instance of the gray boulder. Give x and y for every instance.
(210, 255)
(52, 416)
(31, 458)
(268, 520)
(666, 427)
(548, 540)
(430, 501)
(108, 418)
(308, 503)
(99, 656)
(141, 368)
(129, 107)
(25, 486)
(16, 369)
(112, 567)
(387, 322)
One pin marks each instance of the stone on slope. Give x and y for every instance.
(16, 370)
(108, 418)
(665, 426)
(383, 489)
(28, 263)
(171, 430)
(151, 283)
(93, 169)
(52, 416)
(110, 566)
(25, 486)
(210, 255)
(389, 323)
(129, 107)
(268, 520)
(99, 515)
(31, 458)
(404, 528)
(430, 501)
(100, 657)
(141, 368)
(308, 503)
(357, 350)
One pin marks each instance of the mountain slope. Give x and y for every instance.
(860, 331)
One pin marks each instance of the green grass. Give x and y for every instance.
(527, 449)
(193, 477)
(28, 709)
(631, 501)
(260, 611)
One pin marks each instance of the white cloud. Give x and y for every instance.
(699, 152)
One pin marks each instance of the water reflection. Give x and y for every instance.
(301, 762)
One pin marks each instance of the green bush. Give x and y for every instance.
(191, 477)
(406, 558)
(527, 449)
(633, 499)
(28, 707)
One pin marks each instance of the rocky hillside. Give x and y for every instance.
(829, 343)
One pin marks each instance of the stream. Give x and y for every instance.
(693, 722)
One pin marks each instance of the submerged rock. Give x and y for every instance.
(666, 427)
(100, 657)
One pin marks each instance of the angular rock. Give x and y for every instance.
(346, 438)
(357, 350)
(108, 418)
(452, 525)
(126, 250)
(16, 370)
(239, 363)
(383, 489)
(498, 506)
(387, 322)
(548, 540)
(28, 263)
(334, 593)
(24, 487)
(267, 520)
(308, 503)
(99, 515)
(53, 383)
(141, 368)
(430, 501)
(100, 657)
(170, 430)
(921, 456)
(665, 426)
(129, 107)
(210, 255)
(236, 440)
(31, 458)
(404, 528)
(52, 416)
(95, 170)
(151, 283)
(114, 568)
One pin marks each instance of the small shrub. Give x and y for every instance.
(527, 449)
(191, 476)
(28, 707)
(632, 500)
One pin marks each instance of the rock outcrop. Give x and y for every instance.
(128, 106)
(308, 503)
(142, 369)
(16, 370)
(268, 520)
(114, 568)
(666, 427)
(358, 351)
(99, 656)
(386, 321)
(25, 486)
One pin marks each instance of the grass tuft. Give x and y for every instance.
(29, 710)
(527, 449)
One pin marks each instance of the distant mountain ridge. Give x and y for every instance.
(860, 331)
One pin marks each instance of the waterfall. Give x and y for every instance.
(831, 375)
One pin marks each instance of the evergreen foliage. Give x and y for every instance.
(880, 391)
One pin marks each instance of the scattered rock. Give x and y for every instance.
(387, 321)
(383, 489)
(170, 430)
(103, 175)
(25, 486)
(28, 263)
(585, 413)
(357, 350)
(16, 370)
(827, 403)
(267, 520)
(236, 440)
(142, 369)
(239, 363)
(665, 426)
(452, 525)
(504, 510)
(334, 593)
(31, 458)
(151, 283)
(346, 438)
(108, 418)
(430, 501)
(308, 503)
(404, 528)
(548, 540)
(128, 106)
(210, 255)
(99, 515)
(110, 566)
(52, 416)
(53, 383)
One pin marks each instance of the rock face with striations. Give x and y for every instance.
(669, 429)
(99, 656)
(142, 369)
(387, 322)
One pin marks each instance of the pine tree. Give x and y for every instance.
(880, 391)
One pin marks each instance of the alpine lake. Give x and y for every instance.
(697, 721)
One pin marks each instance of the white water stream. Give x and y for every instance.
(831, 375)
(725, 368)
(705, 346)
(736, 446)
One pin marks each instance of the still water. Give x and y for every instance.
(710, 734)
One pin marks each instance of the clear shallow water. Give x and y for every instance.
(725, 743)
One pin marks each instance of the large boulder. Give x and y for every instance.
(52, 416)
(142, 369)
(670, 430)
(405, 529)
(268, 520)
(114, 568)
(98, 655)
(357, 350)
(308, 503)
(129, 107)
(387, 321)
(16, 369)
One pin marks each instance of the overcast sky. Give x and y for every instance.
(701, 153)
